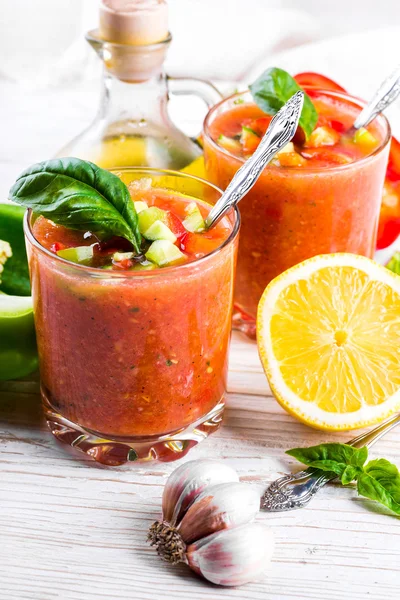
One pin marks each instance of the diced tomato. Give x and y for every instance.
(316, 80)
(57, 246)
(260, 125)
(338, 126)
(199, 244)
(323, 121)
(249, 140)
(326, 156)
(291, 159)
(123, 265)
(176, 226)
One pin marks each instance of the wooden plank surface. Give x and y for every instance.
(70, 529)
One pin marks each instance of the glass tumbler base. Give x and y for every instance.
(243, 322)
(120, 450)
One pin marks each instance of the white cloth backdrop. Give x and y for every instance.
(41, 41)
(49, 76)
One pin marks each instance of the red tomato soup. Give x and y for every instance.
(128, 351)
(319, 195)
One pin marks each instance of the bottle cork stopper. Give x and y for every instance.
(133, 22)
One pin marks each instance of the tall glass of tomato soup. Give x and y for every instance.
(133, 362)
(319, 196)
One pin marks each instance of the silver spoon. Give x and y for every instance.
(386, 94)
(279, 133)
(296, 491)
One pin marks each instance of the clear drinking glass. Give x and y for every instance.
(294, 213)
(133, 364)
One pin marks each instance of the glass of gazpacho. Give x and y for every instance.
(133, 351)
(318, 196)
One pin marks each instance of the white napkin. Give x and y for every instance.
(225, 39)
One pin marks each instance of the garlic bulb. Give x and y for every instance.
(188, 481)
(234, 556)
(206, 524)
(219, 507)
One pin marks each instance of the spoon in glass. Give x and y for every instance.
(279, 133)
(384, 96)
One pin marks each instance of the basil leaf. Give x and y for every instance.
(394, 263)
(360, 456)
(339, 453)
(349, 474)
(329, 465)
(79, 195)
(274, 88)
(380, 481)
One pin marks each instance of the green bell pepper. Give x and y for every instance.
(18, 354)
(15, 277)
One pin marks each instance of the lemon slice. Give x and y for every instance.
(328, 333)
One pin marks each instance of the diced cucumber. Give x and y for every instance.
(288, 148)
(229, 143)
(194, 221)
(247, 131)
(163, 252)
(365, 139)
(159, 231)
(117, 256)
(249, 139)
(144, 266)
(79, 254)
(148, 216)
(322, 136)
(140, 206)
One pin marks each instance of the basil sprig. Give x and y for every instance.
(377, 480)
(79, 195)
(274, 88)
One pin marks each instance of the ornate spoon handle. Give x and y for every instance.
(386, 94)
(295, 491)
(279, 133)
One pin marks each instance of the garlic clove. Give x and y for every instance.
(218, 507)
(233, 557)
(188, 481)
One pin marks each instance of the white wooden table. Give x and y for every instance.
(72, 530)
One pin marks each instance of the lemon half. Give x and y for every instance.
(328, 333)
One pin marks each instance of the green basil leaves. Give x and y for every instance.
(377, 480)
(79, 195)
(274, 88)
